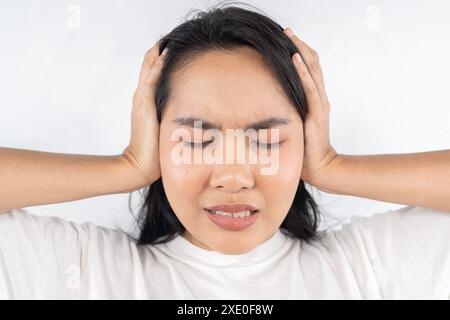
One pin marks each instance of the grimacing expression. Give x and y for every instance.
(230, 89)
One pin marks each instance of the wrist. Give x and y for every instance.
(132, 163)
(323, 179)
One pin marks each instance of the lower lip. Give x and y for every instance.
(233, 224)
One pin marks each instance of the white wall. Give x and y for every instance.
(69, 69)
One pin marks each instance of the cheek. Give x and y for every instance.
(291, 162)
(280, 189)
(183, 184)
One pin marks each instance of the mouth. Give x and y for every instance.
(232, 208)
(236, 221)
(239, 214)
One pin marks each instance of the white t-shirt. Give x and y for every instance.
(403, 254)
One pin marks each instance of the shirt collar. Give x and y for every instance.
(182, 249)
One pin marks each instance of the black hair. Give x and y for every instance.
(225, 27)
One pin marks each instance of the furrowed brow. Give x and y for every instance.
(262, 124)
(268, 123)
(190, 122)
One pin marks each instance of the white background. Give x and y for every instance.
(69, 69)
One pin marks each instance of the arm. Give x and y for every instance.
(415, 179)
(29, 178)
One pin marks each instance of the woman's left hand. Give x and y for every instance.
(319, 155)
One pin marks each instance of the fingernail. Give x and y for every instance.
(164, 52)
(298, 58)
(289, 32)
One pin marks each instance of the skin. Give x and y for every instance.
(420, 179)
(232, 90)
(414, 179)
(234, 79)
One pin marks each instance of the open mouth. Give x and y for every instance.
(233, 221)
(241, 214)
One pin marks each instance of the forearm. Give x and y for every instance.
(29, 178)
(415, 179)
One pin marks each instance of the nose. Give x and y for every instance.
(232, 178)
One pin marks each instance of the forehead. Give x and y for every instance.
(228, 85)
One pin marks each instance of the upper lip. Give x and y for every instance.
(232, 208)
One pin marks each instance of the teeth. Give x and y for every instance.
(241, 214)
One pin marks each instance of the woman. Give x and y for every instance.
(212, 230)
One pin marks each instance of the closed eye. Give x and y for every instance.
(267, 145)
(196, 144)
(202, 144)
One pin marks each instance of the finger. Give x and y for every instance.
(318, 75)
(308, 84)
(311, 59)
(151, 55)
(313, 52)
(151, 71)
(307, 55)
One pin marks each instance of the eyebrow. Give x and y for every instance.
(262, 124)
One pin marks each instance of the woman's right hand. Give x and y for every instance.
(143, 149)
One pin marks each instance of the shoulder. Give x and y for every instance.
(408, 223)
(407, 233)
(48, 252)
(413, 244)
(22, 224)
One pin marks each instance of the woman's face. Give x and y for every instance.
(231, 91)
